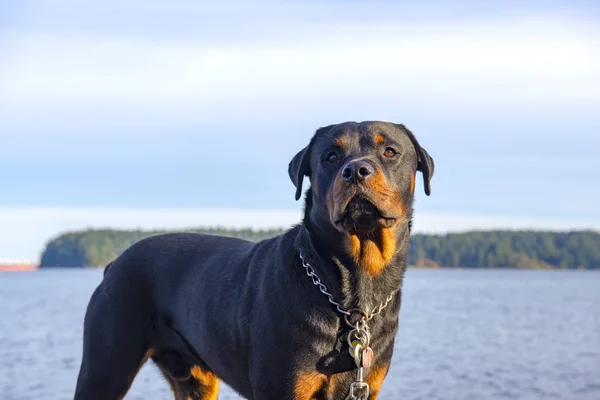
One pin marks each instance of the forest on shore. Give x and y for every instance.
(477, 249)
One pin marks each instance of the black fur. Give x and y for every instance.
(246, 311)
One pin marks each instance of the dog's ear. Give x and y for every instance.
(426, 166)
(299, 167)
(425, 163)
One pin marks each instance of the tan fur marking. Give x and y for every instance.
(383, 195)
(207, 379)
(374, 253)
(355, 247)
(375, 379)
(340, 141)
(308, 385)
(378, 183)
(412, 183)
(378, 139)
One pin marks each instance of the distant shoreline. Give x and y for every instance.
(499, 249)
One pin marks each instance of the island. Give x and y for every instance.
(476, 249)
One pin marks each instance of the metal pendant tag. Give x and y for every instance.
(366, 358)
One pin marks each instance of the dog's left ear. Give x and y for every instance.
(425, 163)
(299, 167)
(426, 166)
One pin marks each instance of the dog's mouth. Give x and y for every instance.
(361, 215)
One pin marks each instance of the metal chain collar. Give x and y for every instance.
(310, 271)
(358, 337)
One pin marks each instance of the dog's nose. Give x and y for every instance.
(357, 171)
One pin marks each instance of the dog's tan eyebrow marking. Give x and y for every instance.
(378, 139)
(340, 141)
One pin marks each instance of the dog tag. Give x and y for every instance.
(366, 358)
(356, 345)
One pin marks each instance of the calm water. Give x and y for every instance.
(463, 335)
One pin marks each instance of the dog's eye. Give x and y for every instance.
(332, 157)
(390, 152)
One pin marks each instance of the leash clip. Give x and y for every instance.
(358, 346)
(359, 389)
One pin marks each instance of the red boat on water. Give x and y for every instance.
(17, 265)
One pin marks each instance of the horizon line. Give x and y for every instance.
(27, 229)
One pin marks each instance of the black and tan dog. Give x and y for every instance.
(208, 308)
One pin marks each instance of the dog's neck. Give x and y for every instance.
(351, 268)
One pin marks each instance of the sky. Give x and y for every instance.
(186, 113)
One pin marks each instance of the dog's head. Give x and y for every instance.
(362, 180)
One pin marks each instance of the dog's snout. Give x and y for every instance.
(357, 171)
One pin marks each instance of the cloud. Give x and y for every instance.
(27, 229)
(503, 63)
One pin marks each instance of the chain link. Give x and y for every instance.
(310, 271)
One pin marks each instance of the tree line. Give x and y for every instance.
(477, 249)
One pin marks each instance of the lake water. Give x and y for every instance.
(483, 334)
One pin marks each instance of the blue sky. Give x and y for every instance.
(186, 113)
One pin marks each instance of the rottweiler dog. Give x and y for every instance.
(207, 308)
